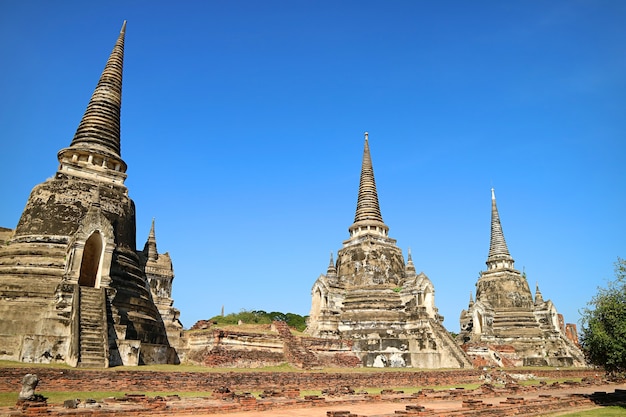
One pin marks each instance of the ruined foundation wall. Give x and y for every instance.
(134, 381)
(216, 347)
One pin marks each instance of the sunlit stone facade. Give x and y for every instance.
(372, 297)
(73, 285)
(506, 326)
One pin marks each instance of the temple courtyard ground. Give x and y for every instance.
(487, 393)
(443, 407)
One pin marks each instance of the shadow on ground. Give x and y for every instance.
(616, 398)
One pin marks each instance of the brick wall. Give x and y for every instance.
(138, 381)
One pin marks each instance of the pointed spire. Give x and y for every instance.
(538, 295)
(367, 207)
(410, 266)
(471, 300)
(95, 149)
(332, 271)
(100, 126)
(151, 246)
(499, 256)
(368, 217)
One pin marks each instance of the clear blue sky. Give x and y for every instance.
(243, 121)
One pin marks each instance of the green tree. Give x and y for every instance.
(296, 320)
(261, 317)
(603, 331)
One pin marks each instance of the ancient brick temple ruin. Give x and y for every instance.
(74, 287)
(372, 297)
(505, 326)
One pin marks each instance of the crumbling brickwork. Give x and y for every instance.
(134, 381)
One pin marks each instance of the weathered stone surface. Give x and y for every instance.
(160, 275)
(72, 261)
(376, 300)
(29, 383)
(506, 326)
(256, 346)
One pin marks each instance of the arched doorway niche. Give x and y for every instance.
(317, 303)
(91, 263)
(90, 251)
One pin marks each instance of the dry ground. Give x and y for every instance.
(385, 408)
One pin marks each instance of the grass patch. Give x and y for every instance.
(612, 411)
(14, 364)
(186, 367)
(530, 382)
(154, 368)
(8, 399)
(285, 367)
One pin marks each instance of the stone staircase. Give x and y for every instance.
(381, 299)
(451, 345)
(295, 353)
(516, 323)
(92, 328)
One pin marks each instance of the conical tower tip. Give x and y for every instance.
(95, 150)
(331, 271)
(499, 256)
(368, 218)
(151, 246)
(410, 266)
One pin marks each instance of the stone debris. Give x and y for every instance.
(29, 383)
(458, 402)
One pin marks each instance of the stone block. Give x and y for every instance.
(129, 351)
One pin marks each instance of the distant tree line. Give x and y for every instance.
(262, 317)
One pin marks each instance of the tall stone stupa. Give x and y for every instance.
(506, 325)
(374, 298)
(72, 282)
